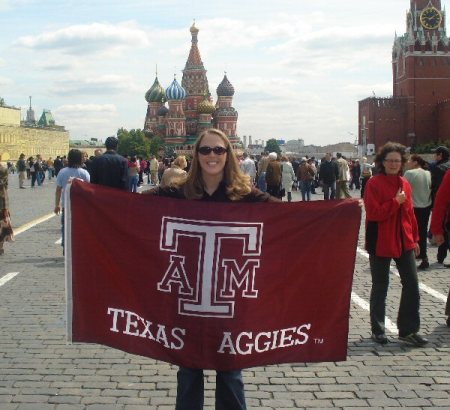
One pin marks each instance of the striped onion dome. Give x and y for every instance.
(225, 88)
(156, 92)
(206, 107)
(175, 91)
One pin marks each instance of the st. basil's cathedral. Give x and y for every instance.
(190, 108)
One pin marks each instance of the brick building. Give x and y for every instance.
(419, 110)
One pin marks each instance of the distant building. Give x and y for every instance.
(419, 110)
(28, 137)
(87, 145)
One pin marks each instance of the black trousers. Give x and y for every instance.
(408, 320)
(442, 250)
(422, 216)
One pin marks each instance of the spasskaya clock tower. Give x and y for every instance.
(419, 110)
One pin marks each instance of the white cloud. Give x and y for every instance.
(86, 119)
(102, 84)
(4, 81)
(87, 38)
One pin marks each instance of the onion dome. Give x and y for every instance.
(163, 110)
(175, 91)
(206, 106)
(225, 112)
(194, 29)
(156, 92)
(225, 88)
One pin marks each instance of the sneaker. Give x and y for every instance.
(438, 265)
(424, 264)
(414, 339)
(381, 338)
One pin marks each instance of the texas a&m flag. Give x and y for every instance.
(209, 285)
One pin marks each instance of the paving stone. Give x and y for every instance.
(40, 371)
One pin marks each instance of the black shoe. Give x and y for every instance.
(381, 338)
(414, 339)
(424, 264)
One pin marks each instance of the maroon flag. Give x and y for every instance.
(210, 285)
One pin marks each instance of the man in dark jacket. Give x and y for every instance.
(110, 169)
(328, 174)
(21, 170)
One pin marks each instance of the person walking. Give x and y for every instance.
(438, 169)
(328, 174)
(248, 167)
(420, 180)
(344, 176)
(6, 232)
(273, 175)
(305, 176)
(392, 233)
(133, 174)
(366, 173)
(262, 169)
(110, 169)
(21, 170)
(153, 167)
(73, 170)
(440, 223)
(287, 176)
(214, 176)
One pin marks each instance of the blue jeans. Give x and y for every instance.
(62, 228)
(132, 183)
(229, 390)
(262, 182)
(306, 190)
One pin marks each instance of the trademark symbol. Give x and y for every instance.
(318, 341)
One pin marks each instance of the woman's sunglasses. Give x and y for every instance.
(205, 150)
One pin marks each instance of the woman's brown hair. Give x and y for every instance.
(386, 149)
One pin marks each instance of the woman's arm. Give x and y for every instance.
(378, 209)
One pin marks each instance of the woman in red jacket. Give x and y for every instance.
(391, 233)
(440, 223)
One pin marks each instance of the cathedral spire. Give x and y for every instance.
(194, 60)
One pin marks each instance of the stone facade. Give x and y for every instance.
(30, 140)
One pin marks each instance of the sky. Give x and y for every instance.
(298, 67)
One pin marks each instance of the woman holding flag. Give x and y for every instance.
(214, 176)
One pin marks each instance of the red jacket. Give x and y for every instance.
(391, 228)
(441, 209)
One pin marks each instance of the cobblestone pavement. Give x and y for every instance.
(39, 371)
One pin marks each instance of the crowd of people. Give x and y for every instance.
(399, 193)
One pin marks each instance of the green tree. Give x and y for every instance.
(2, 102)
(134, 142)
(273, 146)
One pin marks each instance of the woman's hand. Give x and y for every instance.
(438, 239)
(57, 210)
(400, 197)
(417, 250)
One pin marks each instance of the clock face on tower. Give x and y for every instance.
(430, 18)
